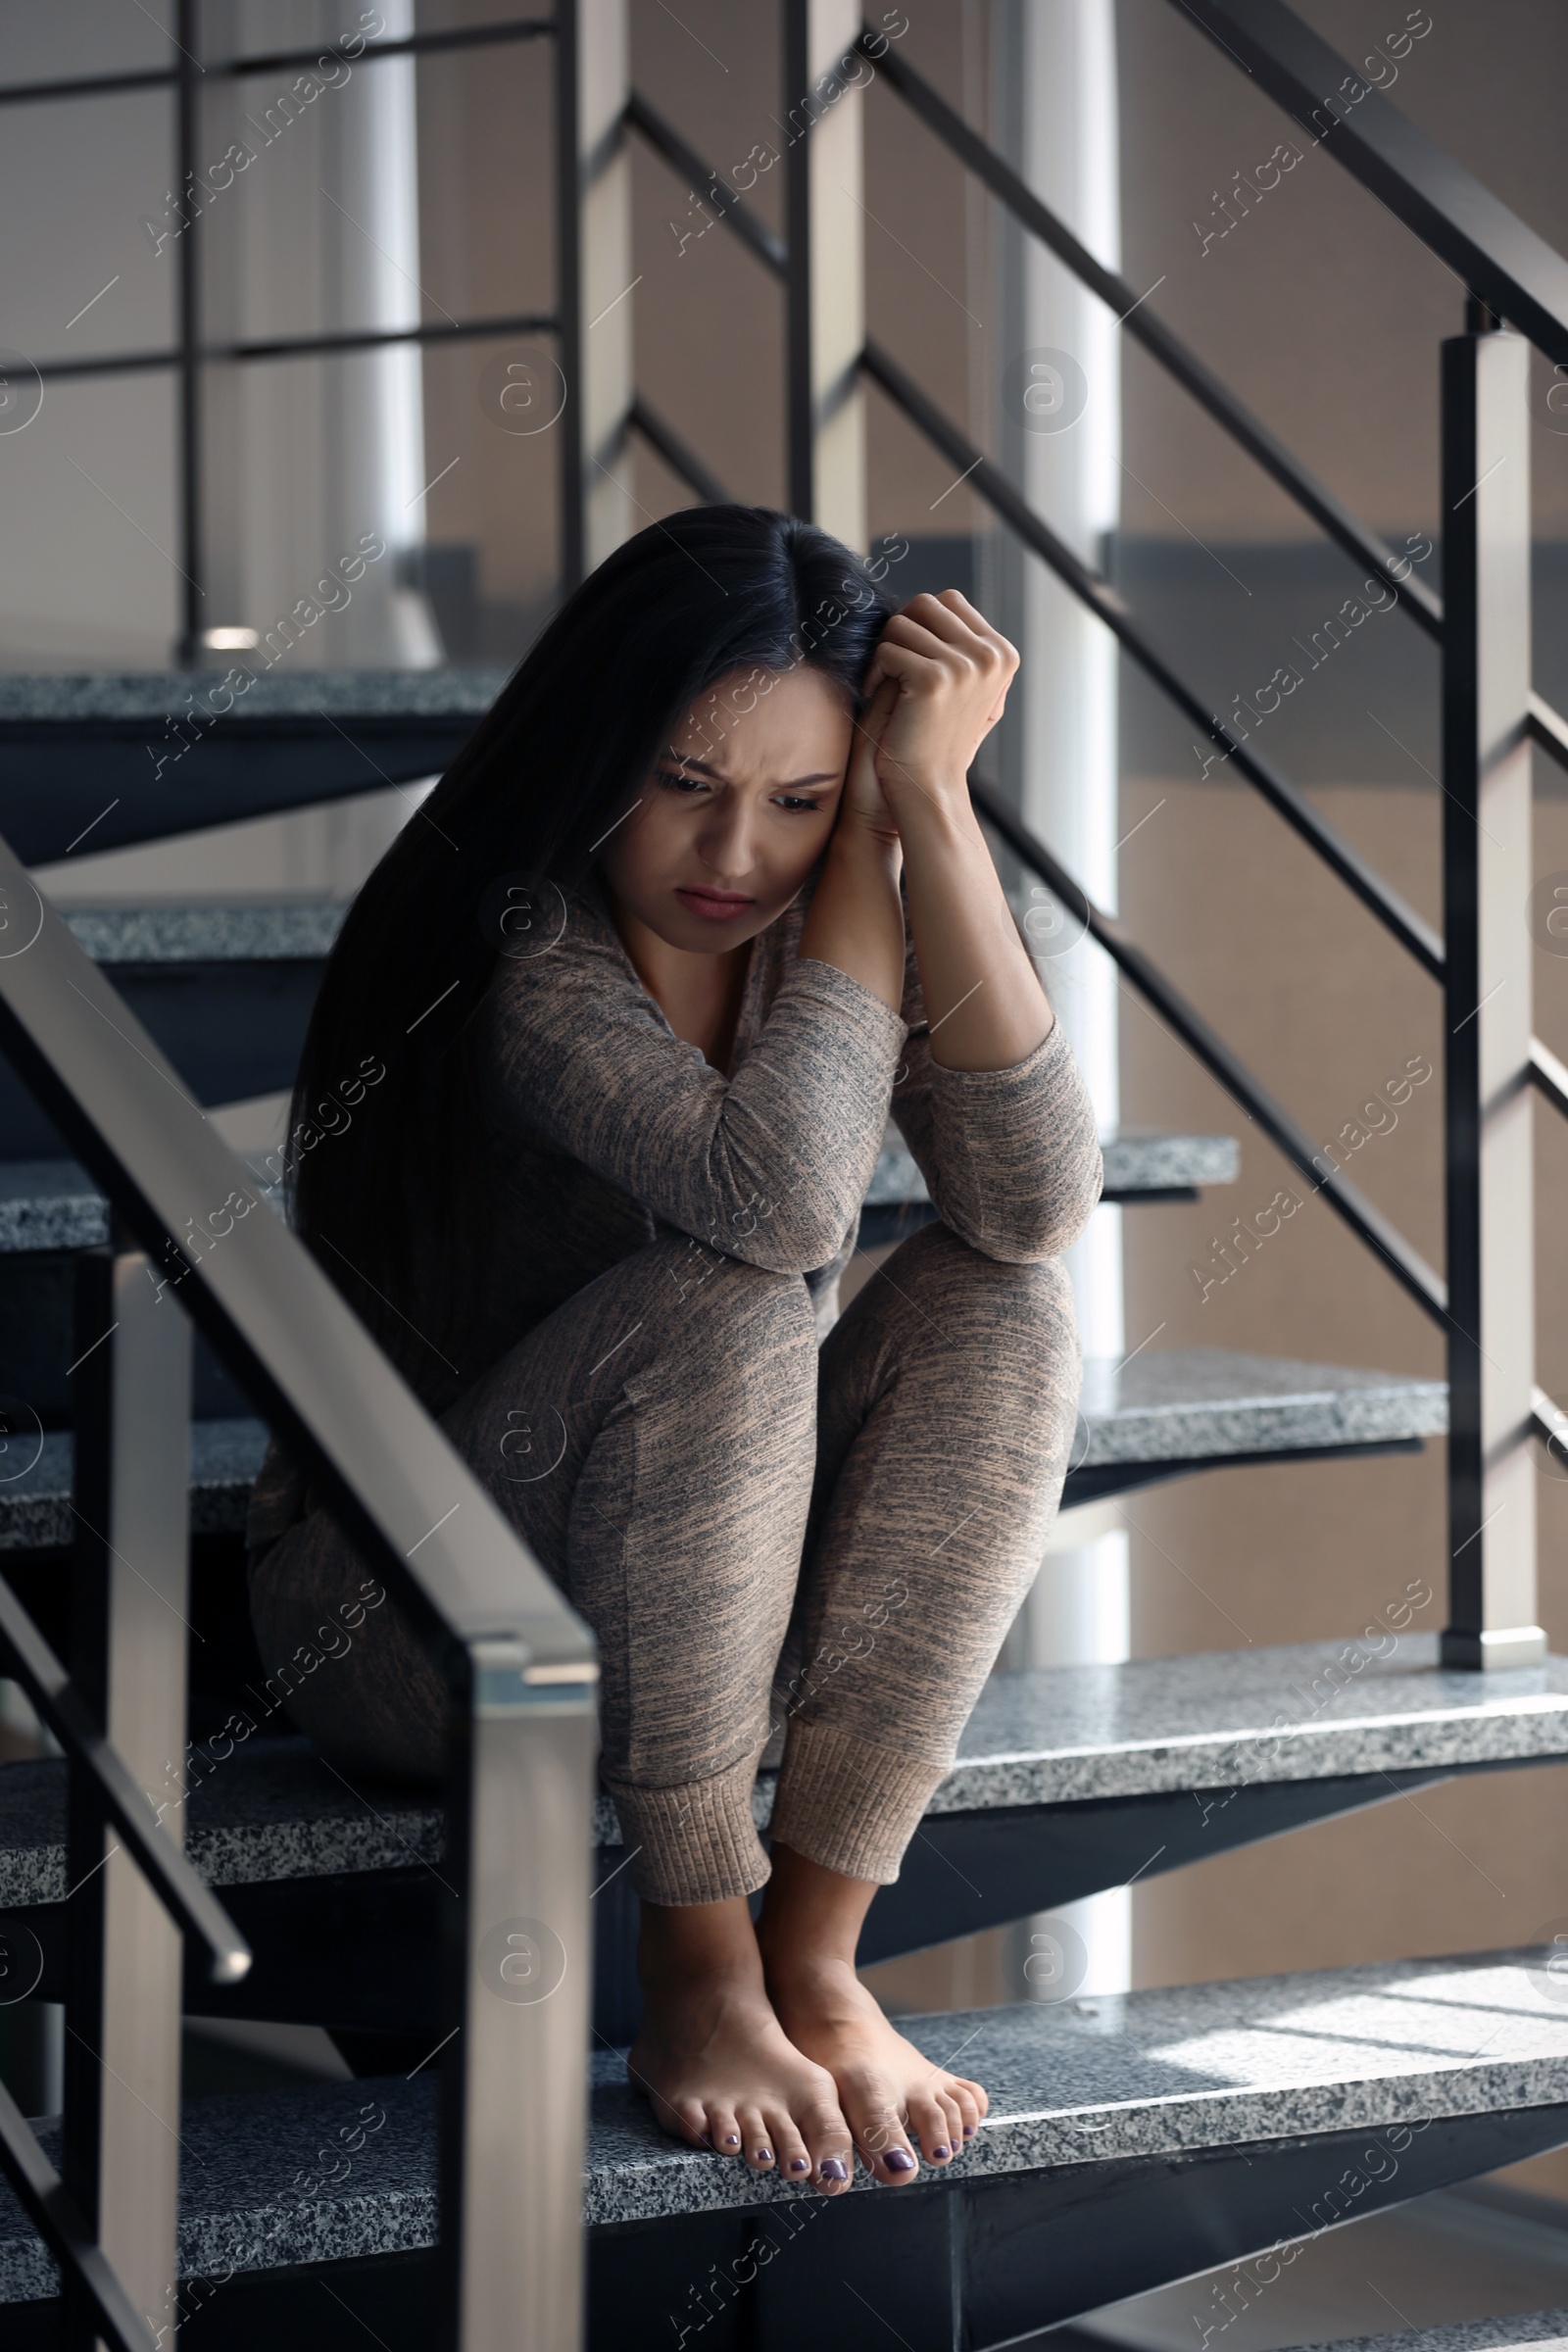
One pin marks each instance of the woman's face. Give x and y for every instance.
(735, 813)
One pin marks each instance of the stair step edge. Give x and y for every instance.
(1385, 2049)
(272, 1811)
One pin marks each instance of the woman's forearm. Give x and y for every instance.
(855, 919)
(984, 1003)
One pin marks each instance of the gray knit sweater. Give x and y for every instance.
(598, 1128)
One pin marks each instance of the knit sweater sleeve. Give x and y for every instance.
(1010, 1158)
(769, 1165)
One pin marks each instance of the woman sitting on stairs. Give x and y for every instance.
(638, 971)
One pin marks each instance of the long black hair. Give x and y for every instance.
(380, 1122)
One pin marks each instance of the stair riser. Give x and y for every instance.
(37, 1346)
(231, 1029)
(51, 786)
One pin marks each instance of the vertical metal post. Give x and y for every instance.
(1487, 867)
(132, 1499)
(519, 1986)
(593, 236)
(92, 1394)
(569, 297)
(187, 102)
(825, 279)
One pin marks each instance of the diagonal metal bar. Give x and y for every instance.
(57, 1700)
(1313, 497)
(668, 445)
(1549, 1076)
(1549, 729)
(61, 2226)
(1413, 934)
(685, 161)
(1549, 1422)
(1369, 1225)
(1489, 248)
(416, 44)
(293, 347)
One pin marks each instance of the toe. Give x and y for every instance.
(954, 2114)
(968, 2107)
(789, 2148)
(932, 2126)
(976, 2093)
(687, 2117)
(877, 2122)
(828, 2144)
(885, 2146)
(756, 2140)
(723, 2129)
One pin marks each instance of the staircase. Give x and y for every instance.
(1132, 2140)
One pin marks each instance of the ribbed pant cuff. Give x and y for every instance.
(695, 1843)
(849, 1805)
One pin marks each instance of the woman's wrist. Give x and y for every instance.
(855, 919)
(939, 814)
(868, 853)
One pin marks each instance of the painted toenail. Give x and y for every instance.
(799, 2164)
(832, 2170)
(899, 2160)
(968, 2130)
(942, 2149)
(732, 2139)
(764, 2155)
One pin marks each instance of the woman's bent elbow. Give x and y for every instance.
(1028, 1232)
(796, 1246)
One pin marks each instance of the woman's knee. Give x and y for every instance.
(744, 1326)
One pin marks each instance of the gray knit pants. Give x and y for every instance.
(770, 1542)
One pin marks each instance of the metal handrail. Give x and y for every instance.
(1424, 1284)
(1514, 272)
(1183, 364)
(1547, 727)
(260, 1297)
(519, 1659)
(1412, 932)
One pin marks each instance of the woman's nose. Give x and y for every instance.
(724, 843)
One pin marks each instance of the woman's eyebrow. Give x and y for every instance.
(700, 767)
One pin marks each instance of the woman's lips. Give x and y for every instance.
(715, 905)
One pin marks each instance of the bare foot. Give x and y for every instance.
(715, 2063)
(889, 2094)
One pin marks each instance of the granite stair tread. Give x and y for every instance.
(35, 1501)
(1145, 2075)
(1548, 2330)
(1176, 1409)
(171, 750)
(242, 931)
(271, 1808)
(54, 1204)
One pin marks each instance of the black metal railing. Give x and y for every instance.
(201, 1242)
